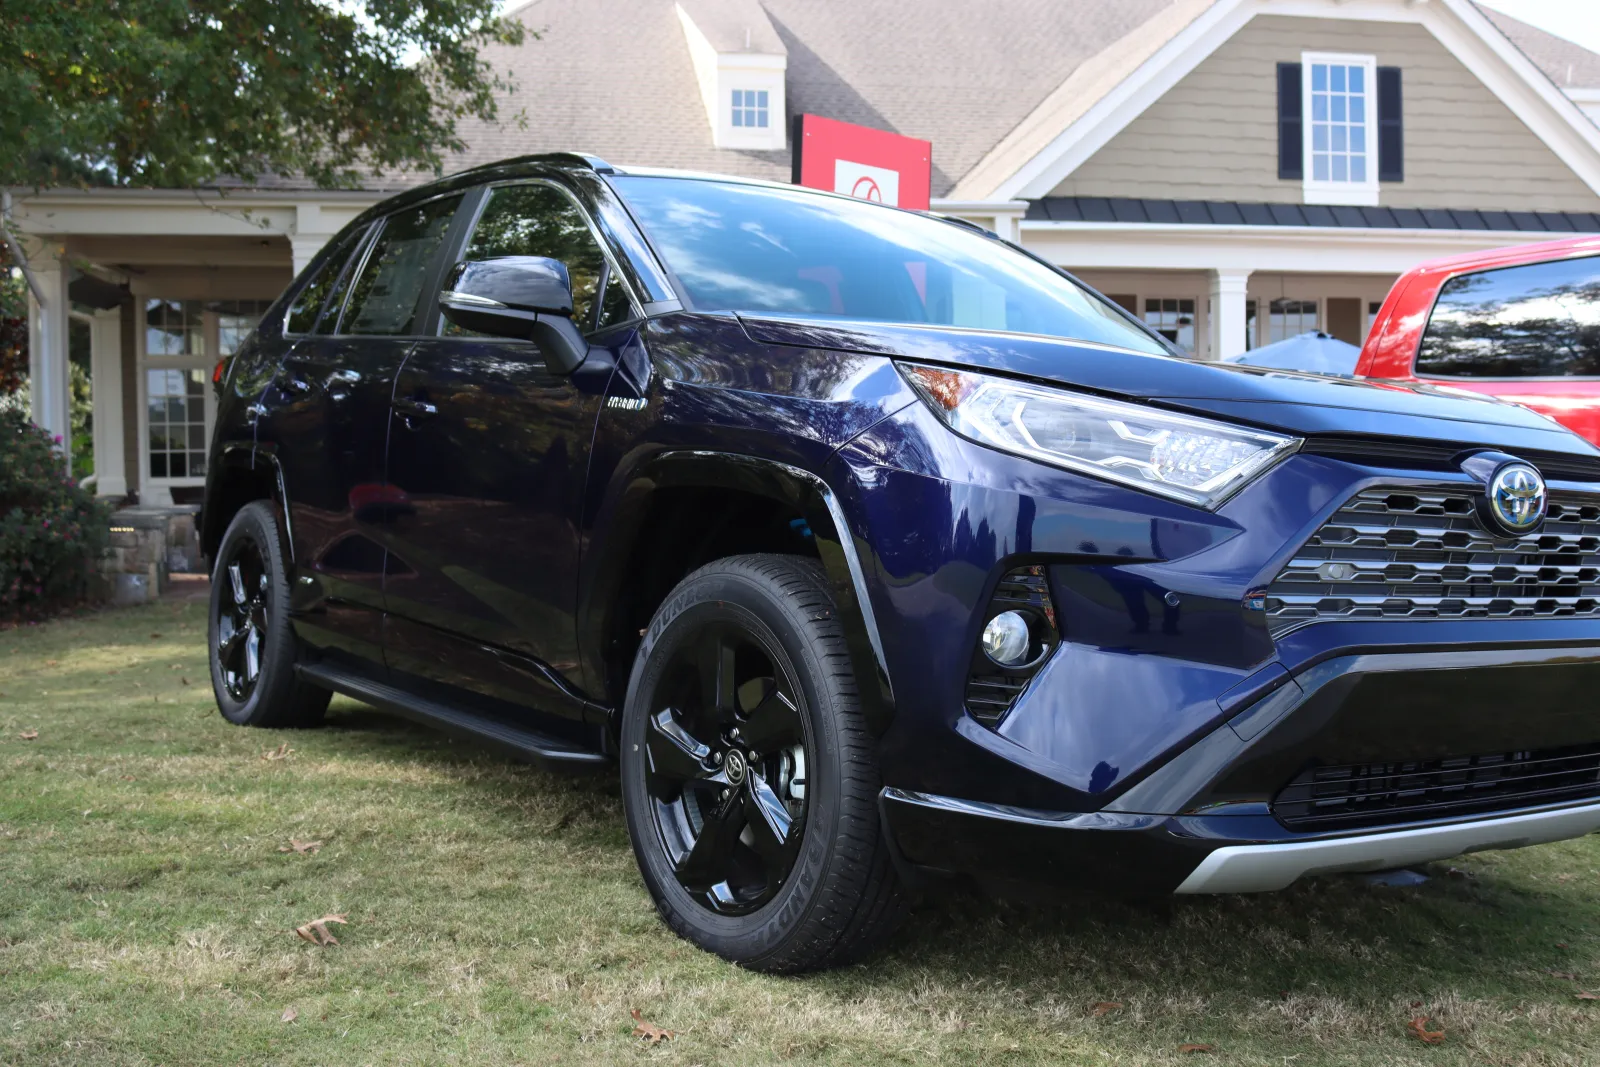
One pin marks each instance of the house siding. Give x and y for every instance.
(1214, 135)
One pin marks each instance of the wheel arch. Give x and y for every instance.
(242, 473)
(672, 516)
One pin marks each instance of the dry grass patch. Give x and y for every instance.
(147, 915)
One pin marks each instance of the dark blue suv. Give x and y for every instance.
(877, 551)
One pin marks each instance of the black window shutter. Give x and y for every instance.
(1391, 137)
(1291, 148)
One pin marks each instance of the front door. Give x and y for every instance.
(490, 450)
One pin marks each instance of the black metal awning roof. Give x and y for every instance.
(1234, 213)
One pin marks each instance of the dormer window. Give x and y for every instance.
(750, 109)
(1340, 147)
(1339, 127)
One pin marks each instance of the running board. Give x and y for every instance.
(530, 744)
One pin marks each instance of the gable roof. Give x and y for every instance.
(993, 85)
(614, 77)
(1569, 65)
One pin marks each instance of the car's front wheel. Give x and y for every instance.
(253, 647)
(749, 778)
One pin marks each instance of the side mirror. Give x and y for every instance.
(525, 297)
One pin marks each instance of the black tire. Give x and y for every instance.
(838, 897)
(250, 630)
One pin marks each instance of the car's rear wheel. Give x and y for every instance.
(253, 647)
(749, 778)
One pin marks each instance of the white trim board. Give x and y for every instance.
(1271, 249)
(1458, 26)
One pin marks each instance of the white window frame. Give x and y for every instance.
(1363, 193)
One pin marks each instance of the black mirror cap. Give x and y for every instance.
(524, 297)
(525, 283)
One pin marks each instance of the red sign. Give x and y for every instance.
(862, 162)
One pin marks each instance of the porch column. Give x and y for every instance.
(1227, 326)
(105, 363)
(48, 375)
(310, 234)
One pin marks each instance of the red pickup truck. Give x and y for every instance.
(1521, 324)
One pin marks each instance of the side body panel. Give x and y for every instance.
(486, 541)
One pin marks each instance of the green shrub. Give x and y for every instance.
(52, 533)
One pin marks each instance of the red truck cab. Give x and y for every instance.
(1521, 324)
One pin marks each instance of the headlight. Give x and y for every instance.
(1194, 460)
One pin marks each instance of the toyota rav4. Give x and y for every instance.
(874, 551)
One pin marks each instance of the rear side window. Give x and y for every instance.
(1540, 320)
(385, 296)
(308, 305)
(541, 220)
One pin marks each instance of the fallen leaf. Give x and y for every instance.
(281, 752)
(1419, 1030)
(1561, 944)
(29, 735)
(1563, 974)
(52, 663)
(1197, 1048)
(300, 846)
(316, 931)
(1587, 996)
(185, 681)
(1105, 1007)
(652, 1034)
(1416, 1003)
(289, 1015)
(155, 637)
(1565, 877)
(127, 777)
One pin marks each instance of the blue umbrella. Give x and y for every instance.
(1312, 351)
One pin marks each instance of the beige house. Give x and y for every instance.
(1234, 171)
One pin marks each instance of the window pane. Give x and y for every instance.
(541, 220)
(384, 299)
(1539, 320)
(158, 464)
(308, 305)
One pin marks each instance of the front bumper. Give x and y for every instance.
(1151, 854)
(1203, 820)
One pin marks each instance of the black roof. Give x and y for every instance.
(1234, 213)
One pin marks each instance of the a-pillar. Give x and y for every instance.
(105, 371)
(1227, 325)
(49, 391)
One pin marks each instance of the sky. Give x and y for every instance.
(1576, 20)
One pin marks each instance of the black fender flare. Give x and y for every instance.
(810, 495)
(259, 462)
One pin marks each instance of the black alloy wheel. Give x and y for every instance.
(252, 642)
(749, 777)
(727, 769)
(241, 625)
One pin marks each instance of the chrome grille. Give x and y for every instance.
(1413, 553)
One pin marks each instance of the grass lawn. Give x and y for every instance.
(147, 916)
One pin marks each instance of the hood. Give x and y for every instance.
(1290, 401)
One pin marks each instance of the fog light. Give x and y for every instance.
(1006, 639)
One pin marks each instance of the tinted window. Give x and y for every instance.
(750, 248)
(385, 296)
(540, 220)
(1541, 320)
(308, 305)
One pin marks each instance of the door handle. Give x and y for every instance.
(413, 408)
(410, 409)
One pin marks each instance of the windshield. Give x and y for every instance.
(772, 251)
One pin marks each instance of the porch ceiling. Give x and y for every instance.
(137, 255)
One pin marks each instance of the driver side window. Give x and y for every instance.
(539, 220)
